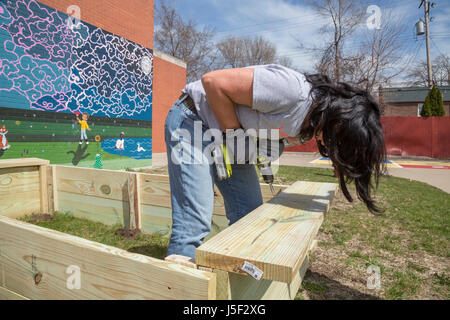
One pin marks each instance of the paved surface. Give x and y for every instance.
(439, 178)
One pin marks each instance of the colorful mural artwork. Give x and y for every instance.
(59, 80)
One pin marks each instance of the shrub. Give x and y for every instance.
(427, 109)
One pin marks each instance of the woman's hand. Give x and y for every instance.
(224, 89)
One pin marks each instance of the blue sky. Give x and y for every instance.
(283, 21)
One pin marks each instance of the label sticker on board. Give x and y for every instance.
(252, 270)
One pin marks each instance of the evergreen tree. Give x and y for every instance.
(427, 106)
(438, 106)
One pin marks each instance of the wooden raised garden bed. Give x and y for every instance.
(36, 263)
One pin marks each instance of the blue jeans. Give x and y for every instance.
(192, 185)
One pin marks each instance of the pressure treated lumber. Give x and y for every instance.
(104, 196)
(6, 294)
(19, 191)
(25, 162)
(274, 237)
(134, 201)
(43, 189)
(233, 286)
(105, 272)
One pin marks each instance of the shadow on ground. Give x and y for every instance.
(317, 286)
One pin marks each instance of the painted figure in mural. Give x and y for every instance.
(120, 143)
(140, 149)
(3, 141)
(84, 127)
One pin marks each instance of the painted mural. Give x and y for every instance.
(72, 92)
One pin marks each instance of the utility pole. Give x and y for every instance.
(426, 6)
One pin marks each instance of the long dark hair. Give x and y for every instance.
(349, 119)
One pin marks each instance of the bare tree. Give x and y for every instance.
(377, 60)
(259, 51)
(241, 52)
(374, 61)
(345, 15)
(232, 53)
(441, 72)
(183, 40)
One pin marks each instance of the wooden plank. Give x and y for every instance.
(54, 189)
(185, 261)
(106, 211)
(138, 202)
(156, 192)
(102, 184)
(6, 294)
(24, 162)
(43, 188)
(19, 191)
(246, 288)
(159, 220)
(242, 287)
(275, 237)
(233, 286)
(132, 199)
(105, 272)
(50, 201)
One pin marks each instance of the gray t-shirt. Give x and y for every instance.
(281, 99)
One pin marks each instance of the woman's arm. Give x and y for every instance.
(224, 89)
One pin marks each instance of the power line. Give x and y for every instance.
(436, 46)
(270, 22)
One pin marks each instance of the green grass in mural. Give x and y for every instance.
(70, 153)
(25, 128)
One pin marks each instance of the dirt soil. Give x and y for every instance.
(41, 217)
(128, 233)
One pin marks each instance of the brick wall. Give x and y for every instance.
(131, 19)
(169, 80)
(408, 109)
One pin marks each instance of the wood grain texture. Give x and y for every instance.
(243, 287)
(112, 185)
(106, 272)
(19, 191)
(54, 189)
(43, 188)
(6, 294)
(106, 211)
(156, 191)
(26, 162)
(138, 202)
(185, 261)
(132, 195)
(275, 237)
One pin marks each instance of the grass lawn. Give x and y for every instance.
(409, 243)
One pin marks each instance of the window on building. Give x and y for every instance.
(419, 109)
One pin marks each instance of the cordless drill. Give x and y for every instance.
(265, 168)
